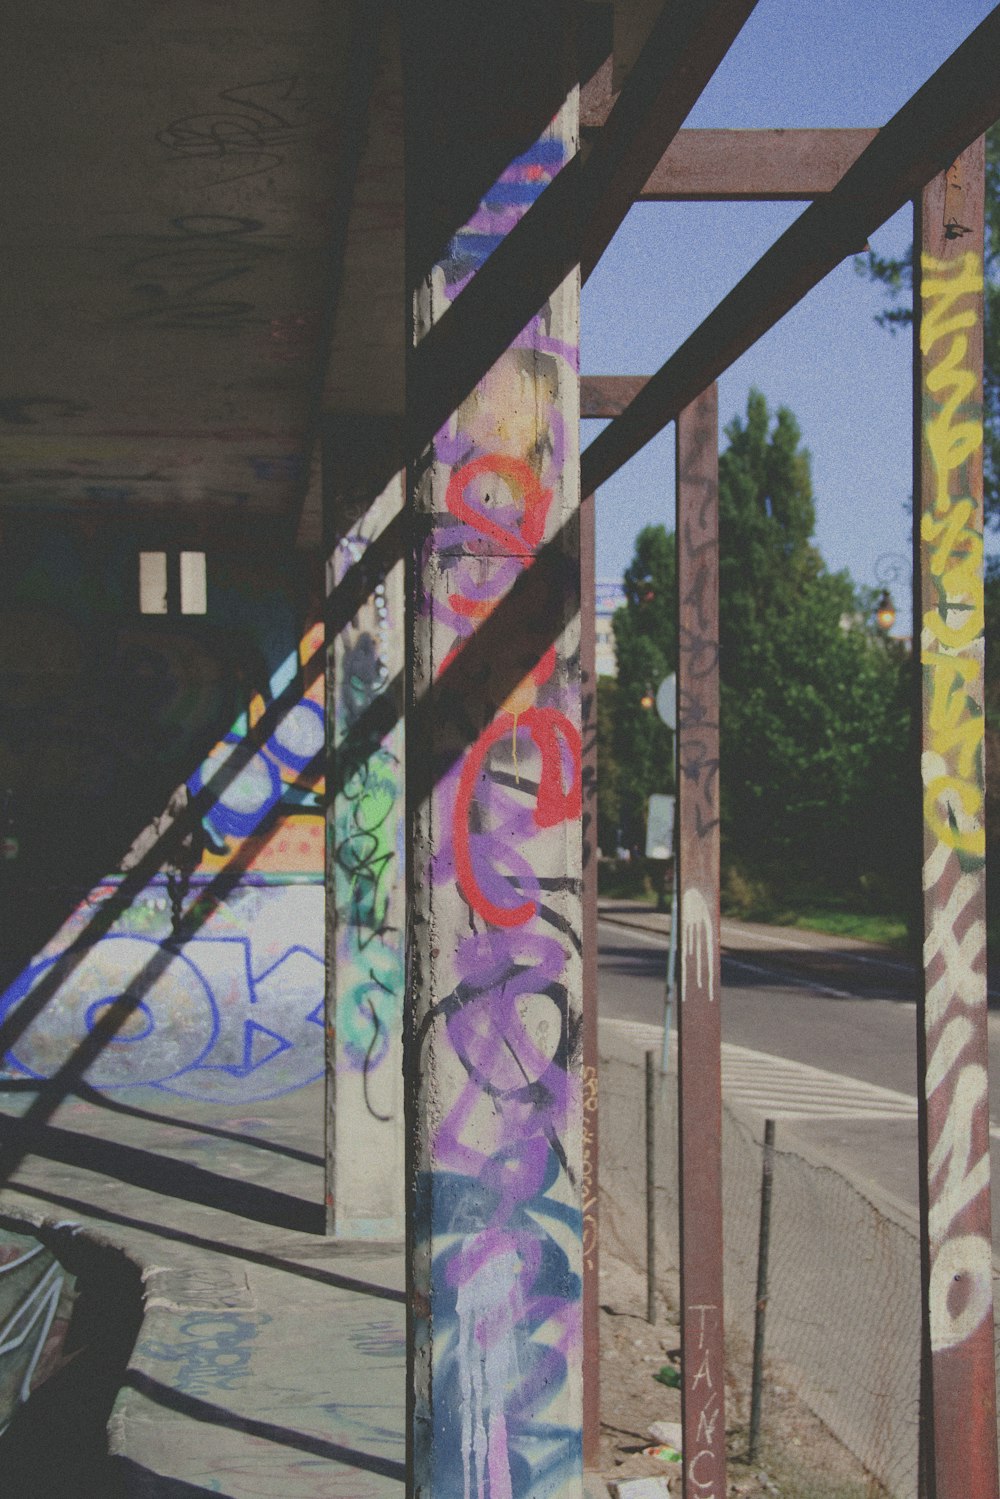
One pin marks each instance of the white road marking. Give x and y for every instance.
(777, 1088)
(633, 931)
(796, 978)
(740, 933)
(771, 973)
(795, 1090)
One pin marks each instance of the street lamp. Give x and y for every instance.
(890, 568)
(885, 612)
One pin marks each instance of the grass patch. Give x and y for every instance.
(631, 879)
(867, 926)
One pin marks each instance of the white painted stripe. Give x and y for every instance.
(792, 980)
(655, 941)
(639, 933)
(785, 1089)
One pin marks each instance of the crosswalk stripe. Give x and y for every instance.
(795, 1090)
(782, 1089)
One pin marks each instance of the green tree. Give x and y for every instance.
(608, 769)
(815, 703)
(897, 277)
(646, 650)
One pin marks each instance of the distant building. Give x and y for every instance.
(610, 596)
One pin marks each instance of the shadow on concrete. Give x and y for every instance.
(271, 1261)
(56, 1445)
(160, 1174)
(197, 1409)
(90, 1095)
(132, 1478)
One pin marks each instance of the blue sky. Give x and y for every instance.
(847, 381)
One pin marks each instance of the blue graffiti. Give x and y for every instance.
(234, 1017)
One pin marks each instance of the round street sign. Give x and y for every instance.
(666, 701)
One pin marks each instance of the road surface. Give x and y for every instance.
(817, 1033)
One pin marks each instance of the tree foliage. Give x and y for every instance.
(897, 277)
(815, 703)
(646, 649)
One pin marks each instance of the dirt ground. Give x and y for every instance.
(798, 1457)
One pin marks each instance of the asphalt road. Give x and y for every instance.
(818, 1034)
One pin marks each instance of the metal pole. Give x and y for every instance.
(958, 1390)
(650, 1187)
(591, 1307)
(760, 1309)
(672, 949)
(699, 1025)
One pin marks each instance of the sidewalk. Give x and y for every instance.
(635, 913)
(270, 1361)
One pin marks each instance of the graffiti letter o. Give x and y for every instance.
(967, 1256)
(970, 796)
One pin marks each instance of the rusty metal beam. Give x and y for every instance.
(754, 165)
(759, 165)
(954, 106)
(686, 45)
(958, 1393)
(608, 395)
(699, 1024)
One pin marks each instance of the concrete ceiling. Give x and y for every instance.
(170, 187)
(202, 249)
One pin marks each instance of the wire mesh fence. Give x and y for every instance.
(843, 1311)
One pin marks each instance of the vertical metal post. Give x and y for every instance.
(650, 1186)
(760, 1306)
(493, 780)
(671, 979)
(958, 1391)
(699, 1028)
(591, 1135)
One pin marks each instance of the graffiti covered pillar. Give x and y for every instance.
(699, 1026)
(958, 1392)
(364, 847)
(494, 1064)
(591, 1122)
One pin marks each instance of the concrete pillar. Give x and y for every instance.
(364, 847)
(494, 1054)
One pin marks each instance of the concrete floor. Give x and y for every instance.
(270, 1360)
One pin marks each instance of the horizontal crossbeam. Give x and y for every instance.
(955, 105)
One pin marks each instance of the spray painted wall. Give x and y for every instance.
(237, 1013)
(365, 952)
(496, 1063)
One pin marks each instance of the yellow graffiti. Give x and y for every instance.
(951, 726)
(955, 279)
(945, 826)
(951, 533)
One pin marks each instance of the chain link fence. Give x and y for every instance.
(843, 1312)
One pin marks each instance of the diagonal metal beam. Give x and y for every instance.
(955, 105)
(686, 45)
(524, 271)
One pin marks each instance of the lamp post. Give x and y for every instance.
(885, 612)
(891, 568)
